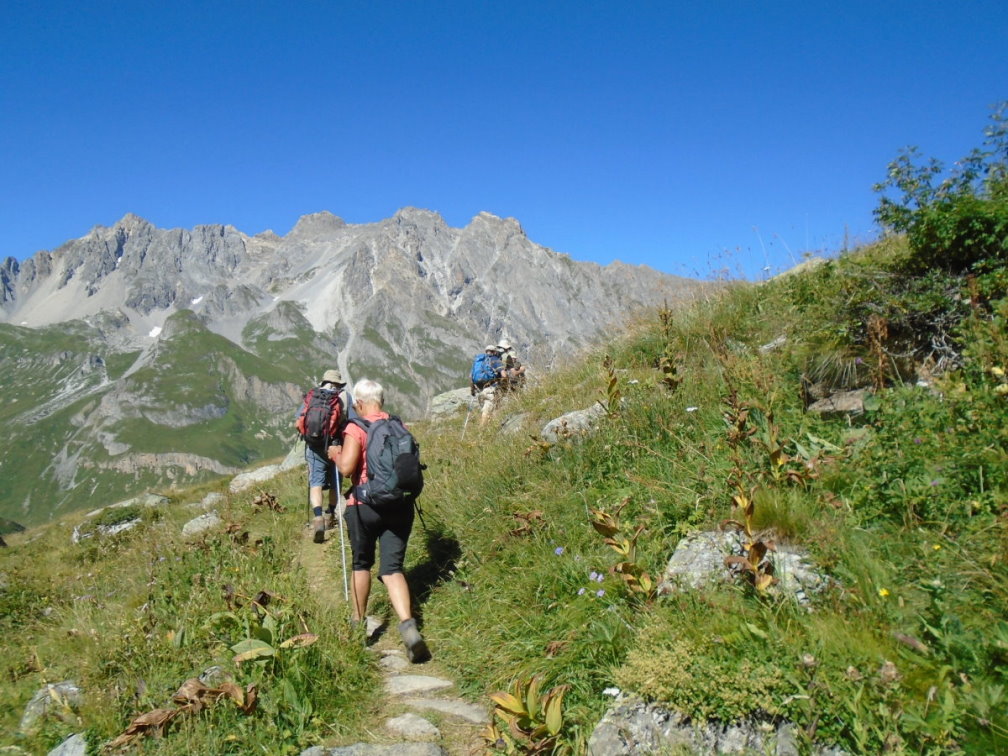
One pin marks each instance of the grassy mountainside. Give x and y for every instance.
(905, 506)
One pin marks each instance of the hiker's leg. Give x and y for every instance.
(315, 497)
(393, 540)
(361, 589)
(398, 592)
(362, 524)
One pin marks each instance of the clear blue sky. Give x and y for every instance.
(688, 136)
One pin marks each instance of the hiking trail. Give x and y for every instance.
(418, 714)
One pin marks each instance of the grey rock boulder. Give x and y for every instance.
(573, 424)
(370, 749)
(58, 700)
(632, 727)
(201, 524)
(75, 745)
(699, 562)
(245, 481)
(449, 403)
(841, 403)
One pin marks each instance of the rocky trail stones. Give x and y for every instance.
(421, 713)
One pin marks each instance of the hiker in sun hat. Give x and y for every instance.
(486, 376)
(513, 376)
(320, 421)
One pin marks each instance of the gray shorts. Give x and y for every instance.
(321, 470)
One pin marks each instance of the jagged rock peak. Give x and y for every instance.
(483, 217)
(317, 224)
(132, 222)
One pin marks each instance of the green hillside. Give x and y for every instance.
(540, 561)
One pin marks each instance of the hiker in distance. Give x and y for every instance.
(513, 376)
(380, 509)
(320, 421)
(485, 377)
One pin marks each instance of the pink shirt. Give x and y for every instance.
(360, 435)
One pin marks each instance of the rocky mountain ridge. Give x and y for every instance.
(153, 343)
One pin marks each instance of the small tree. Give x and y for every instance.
(958, 221)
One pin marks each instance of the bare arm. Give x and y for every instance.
(349, 457)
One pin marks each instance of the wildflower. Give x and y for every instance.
(593, 575)
(997, 372)
(937, 547)
(1001, 388)
(918, 441)
(935, 482)
(558, 550)
(858, 361)
(600, 593)
(611, 692)
(888, 672)
(692, 409)
(581, 591)
(883, 592)
(809, 662)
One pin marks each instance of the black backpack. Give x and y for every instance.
(395, 475)
(323, 416)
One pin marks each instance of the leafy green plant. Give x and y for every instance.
(635, 577)
(614, 394)
(534, 722)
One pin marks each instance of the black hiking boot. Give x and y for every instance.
(319, 525)
(416, 649)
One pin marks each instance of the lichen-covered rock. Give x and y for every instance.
(699, 562)
(54, 700)
(573, 424)
(201, 524)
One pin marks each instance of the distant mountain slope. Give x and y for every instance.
(136, 356)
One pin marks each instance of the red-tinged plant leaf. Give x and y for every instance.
(738, 561)
(151, 723)
(300, 641)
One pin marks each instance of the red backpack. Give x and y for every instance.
(321, 421)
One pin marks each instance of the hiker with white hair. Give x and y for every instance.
(380, 508)
(320, 422)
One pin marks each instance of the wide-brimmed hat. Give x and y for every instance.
(333, 376)
(491, 348)
(504, 345)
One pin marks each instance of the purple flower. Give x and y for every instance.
(599, 578)
(935, 482)
(858, 361)
(593, 575)
(581, 592)
(558, 550)
(918, 441)
(600, 593)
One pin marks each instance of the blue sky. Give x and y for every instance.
(693, 137)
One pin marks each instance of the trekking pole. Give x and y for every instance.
(340, 508)
(466, 423)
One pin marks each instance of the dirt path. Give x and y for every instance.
(420, 713)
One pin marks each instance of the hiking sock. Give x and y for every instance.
(416, 649)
